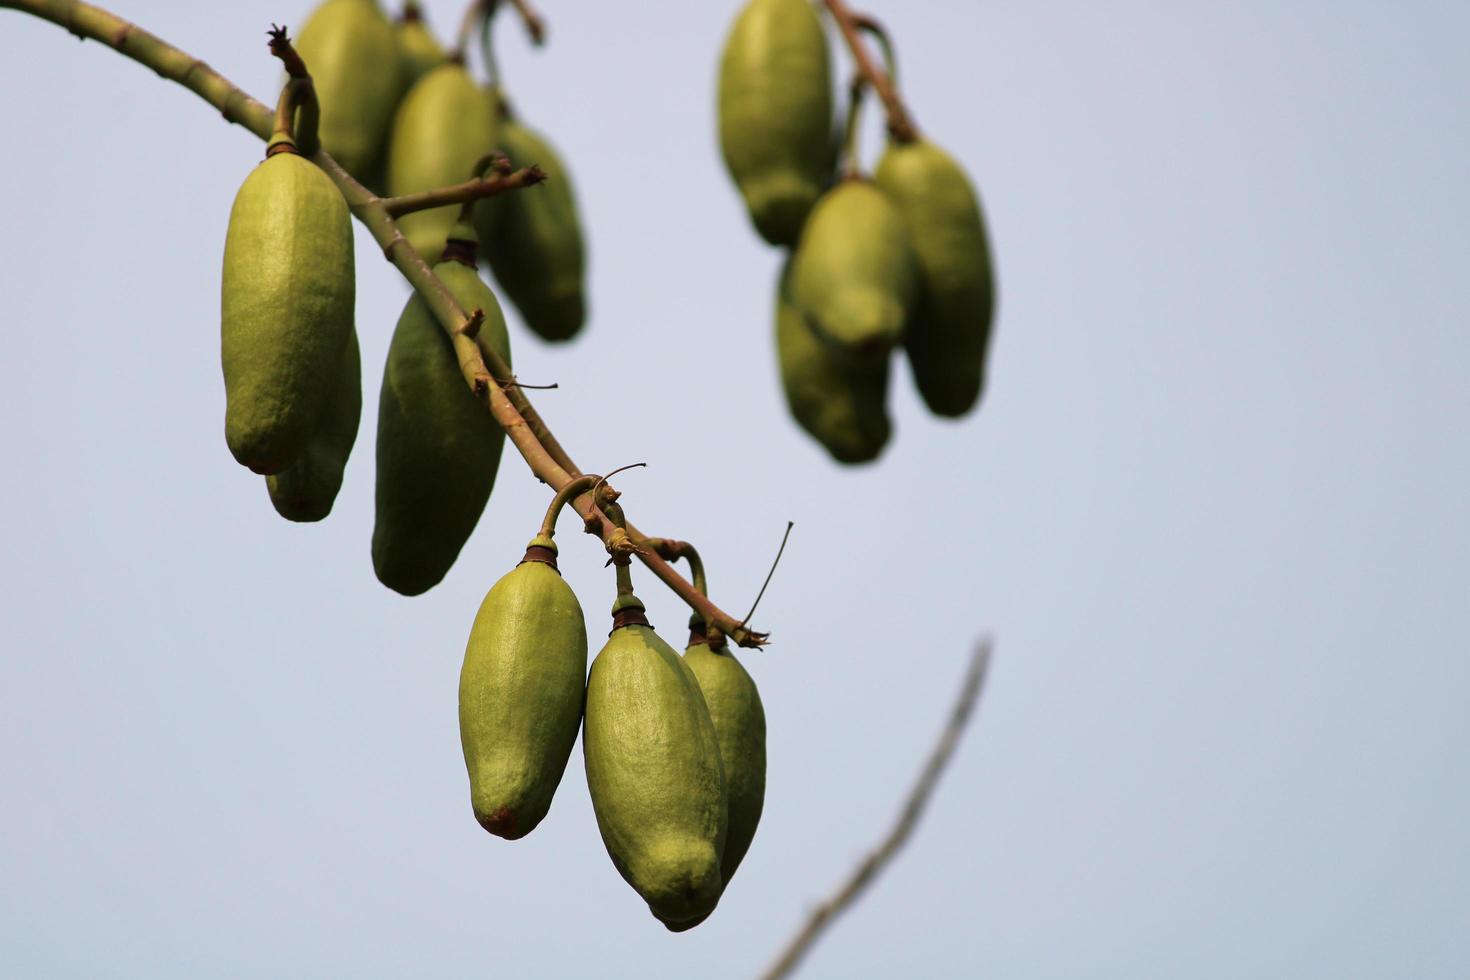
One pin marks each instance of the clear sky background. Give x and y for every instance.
(1213, 509)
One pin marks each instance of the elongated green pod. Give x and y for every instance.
(841, 403)
(775, 104)
(739, 719)
(444, 126)
(306, 490)
(287, 294)
(438, 448)
(350, 50)
(419, 52)
(520, 693)
(533, 239)
(653, 770)
(853, 273)
(949, 335)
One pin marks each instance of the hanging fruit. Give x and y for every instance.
(853, 273)
(947, 339)
(287, 294)
(306, 490)
(419, 52)
(653, 768)
(350, 48)
(838, 402)
(438, 449)
(533, 241)
(522, 686)
(446, 123)
(775, 106)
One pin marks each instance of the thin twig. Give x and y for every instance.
(900, 123)
(535, 25)
(481, 367)
(470, 190)
(848, 892)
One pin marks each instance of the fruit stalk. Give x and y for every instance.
(509, 405)
(900, 123)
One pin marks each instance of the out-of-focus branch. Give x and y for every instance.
(863, 875)
(900, 123)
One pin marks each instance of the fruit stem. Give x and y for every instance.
(900, 124)
(563, 497)
(851, 166)
(297, 109)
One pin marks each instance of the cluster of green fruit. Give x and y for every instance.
(401, 115)
(674, 746)
(289, 346)
(899, 259)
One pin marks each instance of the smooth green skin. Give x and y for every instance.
(653, 770)
(841, 404)
(286, 305)
(351, 51)
(438, 449)
(950, 332)
(740, 729)
(306, 490)
(520, 697)
(775, 107)
(854, 273)
(445, 124)
(419, 52)
(533, 239)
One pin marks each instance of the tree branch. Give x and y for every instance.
(849, 891)
(900, 123)
(481, 369)
(470, 190)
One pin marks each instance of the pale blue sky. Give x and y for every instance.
(1214, 509)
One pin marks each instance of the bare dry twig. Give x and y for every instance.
(854, 885)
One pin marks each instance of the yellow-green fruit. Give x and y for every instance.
(950, 330)
(740, 729)
(520, 694)
(533, 239)
(839, 402)
(438, 447)
(653, 770)
(287, 294)
(776, 113)
(349, 48)
(853, 273)
(306, 489)
(419, 52)
(444, 126)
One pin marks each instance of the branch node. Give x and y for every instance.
(471, 326)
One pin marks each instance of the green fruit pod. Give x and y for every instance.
(306, 490)
(521, 692)
(419, 52)
(438, 448)
(949, 334)
(287, 293)
(775, 107)
(444, 127)
(739, 719)
(653, 771)
(853, 273)
(350, 50)
(533, 239)
(840, 403)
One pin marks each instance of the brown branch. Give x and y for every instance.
(900, 123)
(535, 25)
(481, 368)
(470, 190)
(853, 886)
